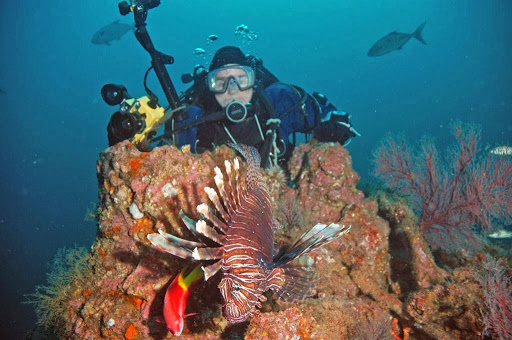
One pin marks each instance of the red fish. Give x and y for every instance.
(175, 301)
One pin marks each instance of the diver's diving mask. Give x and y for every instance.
(221, 78)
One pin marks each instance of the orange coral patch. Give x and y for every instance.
(112, 231)
(116, 228)
(114, 293)
(86, 292)
(130, 332)
(137, 302)
(136, 162)
(304, 330)
(144, 225)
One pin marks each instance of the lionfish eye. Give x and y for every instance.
(236, 286)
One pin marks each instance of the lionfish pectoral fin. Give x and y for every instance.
(275, 280)
(190, 224)
(205, 254)
(318, 236)
(163, 244)
(214, 197)
(209, 214)
(298, 284)
(204, 229)
(211, 270)
(179, 241)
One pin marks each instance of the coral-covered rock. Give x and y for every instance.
(325, 181)
(288, 324)
(381, 268)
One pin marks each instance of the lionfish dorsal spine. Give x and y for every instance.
(239, 183)
(222, 190)
(253, 177)
(232, 184)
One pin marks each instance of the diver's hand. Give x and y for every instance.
(335, 127)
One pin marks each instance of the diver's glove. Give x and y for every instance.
(335, 127)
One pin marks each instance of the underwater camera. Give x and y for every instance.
(137, 119)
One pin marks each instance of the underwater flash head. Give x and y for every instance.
(114, 94)
(124, 7)
(149, 4)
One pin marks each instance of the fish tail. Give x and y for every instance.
(318, 236)
(195, 275)
(417, 33)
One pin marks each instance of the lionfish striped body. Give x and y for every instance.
(243, 226)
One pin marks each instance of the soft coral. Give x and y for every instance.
(451, 196)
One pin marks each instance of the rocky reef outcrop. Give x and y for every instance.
(381, 270)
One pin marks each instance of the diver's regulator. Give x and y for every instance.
(138, 119)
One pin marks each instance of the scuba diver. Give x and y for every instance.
(237, 100)
(240, 101)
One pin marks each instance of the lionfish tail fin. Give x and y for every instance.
(253, 159)
(298, 284)
(318, 236)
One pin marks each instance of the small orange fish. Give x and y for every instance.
(175, 301)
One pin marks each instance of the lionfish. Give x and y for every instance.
(241, 223)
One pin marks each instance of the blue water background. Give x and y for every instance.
(53, 117)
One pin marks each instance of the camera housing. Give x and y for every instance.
(137, 119)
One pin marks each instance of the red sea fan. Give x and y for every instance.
(498, 301)
(450, 196)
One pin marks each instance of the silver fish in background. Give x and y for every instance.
(240, 220)
(501, 234)
(503, 150)
(395, 41)
(109, 33)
